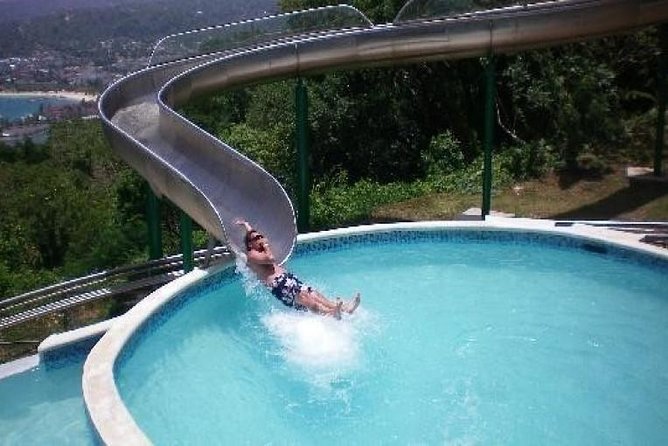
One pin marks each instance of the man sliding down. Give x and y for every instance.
(284, 285)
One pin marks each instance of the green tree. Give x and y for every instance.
(378, 11)
(74, 209)
(578, 97)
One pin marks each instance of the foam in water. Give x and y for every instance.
(313, 341)
(252, 286)
(321, 346)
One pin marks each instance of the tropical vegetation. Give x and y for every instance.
(378, 136)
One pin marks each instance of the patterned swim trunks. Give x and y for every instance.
(286, 287)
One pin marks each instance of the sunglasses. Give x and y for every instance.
(256, 237)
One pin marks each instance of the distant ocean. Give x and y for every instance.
(13, 108)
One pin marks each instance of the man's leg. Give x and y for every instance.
(313, 303)
(318, 297)
(349, 307)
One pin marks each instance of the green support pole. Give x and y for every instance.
(490, 93)
(186, 227)
(303, 180)
(153, 223)
(662, 67)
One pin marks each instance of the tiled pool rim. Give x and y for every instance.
(112, 420)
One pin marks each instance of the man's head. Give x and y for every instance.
(253, 239)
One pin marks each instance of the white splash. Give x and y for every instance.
(252, 286)
(316, 342)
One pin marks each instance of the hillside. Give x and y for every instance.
(21, 10)
(76, 25)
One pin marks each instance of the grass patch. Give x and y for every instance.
(611, 197)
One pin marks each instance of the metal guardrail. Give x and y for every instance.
(34, 304)
(255, 32)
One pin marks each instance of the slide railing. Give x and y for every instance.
(215, 184)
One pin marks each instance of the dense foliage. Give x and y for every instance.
(68, 208)
(386, 134)
(377, 135)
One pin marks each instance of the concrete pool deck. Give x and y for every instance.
(110, 417)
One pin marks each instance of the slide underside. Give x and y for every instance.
(215, 184)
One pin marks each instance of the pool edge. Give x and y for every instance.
(112, 420)
(109, 417)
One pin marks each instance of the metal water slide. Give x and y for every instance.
(215, 184)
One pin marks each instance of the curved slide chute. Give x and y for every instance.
(215, 184)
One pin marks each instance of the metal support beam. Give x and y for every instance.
(186, 228)
(662, 67)
(303, 170)
(210, 246)
(490, 93)
(153, 225)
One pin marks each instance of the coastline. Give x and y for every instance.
(64, 94)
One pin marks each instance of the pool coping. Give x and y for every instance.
(56, 344)
(58, 341)
(111, 420)
(109, 417)
(18, 366)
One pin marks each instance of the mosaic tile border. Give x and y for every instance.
(480, 235)
(74, 352)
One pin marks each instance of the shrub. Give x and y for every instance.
(592, 165)
(334, 202)
(443, 155)
(527, 159)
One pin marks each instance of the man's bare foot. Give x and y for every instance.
(337, 310)
(351, 306)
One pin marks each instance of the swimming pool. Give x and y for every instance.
(464, 336)
(44, 405)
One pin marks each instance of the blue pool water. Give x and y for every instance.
(456, 341)
(44, 406)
